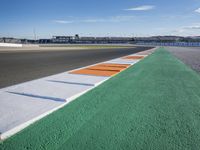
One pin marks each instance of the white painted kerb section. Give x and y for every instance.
(10, 45)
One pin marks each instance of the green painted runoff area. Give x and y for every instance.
(153, 105)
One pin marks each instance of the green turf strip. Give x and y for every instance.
(153, 105)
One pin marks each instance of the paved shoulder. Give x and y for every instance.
(190, 56)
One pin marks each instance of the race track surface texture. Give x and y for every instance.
(189, 55)
(18, 67)
(153, 105)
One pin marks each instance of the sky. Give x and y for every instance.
(45, 18)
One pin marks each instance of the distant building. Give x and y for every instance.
(76, 37)
(62, 39)
(159, 39)
(44, 41)
(105, 40)
(121, 39)
(9, 40)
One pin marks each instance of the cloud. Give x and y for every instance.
(194, 27)
(187, 30)
(63, 21)
(141, 8)
(93, 20)
(97, 20)
(197, 10)
(109, 19)
(160, 29)
(180, 31)
(121, 18)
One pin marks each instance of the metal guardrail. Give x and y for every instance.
(181, 44)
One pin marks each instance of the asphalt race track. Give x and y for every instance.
(18, 67)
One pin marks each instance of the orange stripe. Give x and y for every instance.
(95, 72)
(144, 53)
(133, 57)
(103, 68)
(114, 65)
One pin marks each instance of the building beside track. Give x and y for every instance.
(90, 40)
(152, 41)
(71, 40)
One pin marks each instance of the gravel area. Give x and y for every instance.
(190, 56)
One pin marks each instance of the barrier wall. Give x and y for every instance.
(10, 45)
(182, 44)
